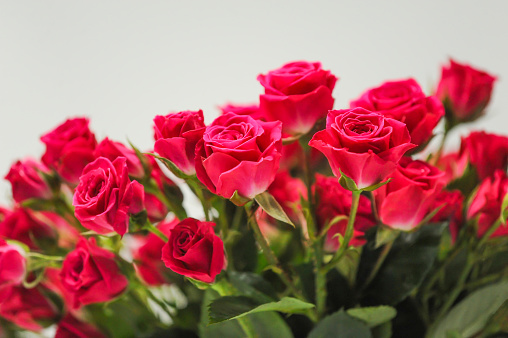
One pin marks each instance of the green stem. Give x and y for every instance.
(150, 227)
(179, 212)
(379, 262)
(224, 226)
(489, 232)
(349, 233)
(196, 189)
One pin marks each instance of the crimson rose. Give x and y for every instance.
(364, 145)
(12, 264)
(298, 94)
(111, 150)
(193, 250)
(238, 154)
(404, 101)
(105, 196)
(27, 181)
(91, 275)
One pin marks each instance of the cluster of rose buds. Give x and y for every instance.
(85, 202)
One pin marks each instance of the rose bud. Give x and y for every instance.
(365, 146)
(486, 152)
(27, 308)
(69, 148)
(298, 94)
(404, 101)
(12, 264)
(27, 181)
(238, 154)
(91, 274)
(194, 250)
(26, 226)
(453, 165)
(111, 150)
(147, 257)
(464, 91)
(451, 203)
(487, 202)
(176, 136)
(70, 327)
(410, 196)
(246, 109)
(333, 200)
(106, 197)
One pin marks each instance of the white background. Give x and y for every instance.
(123, 62)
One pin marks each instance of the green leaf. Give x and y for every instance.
(171, 166)
(410, 259)
(347, 183)
(471, 314)
(266, 324)
(375, 186)
(504, 210)
(142, 159)
(382, 331)
(252, 285)
(232, 307)
(239, 200)
(270, 205)
(340, 325)
(374, 315)
(385, 235)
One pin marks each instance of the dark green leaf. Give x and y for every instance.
(385, 235)
(252, 285)
(374, 315)
(340, 325)
(471, 314)
(383, 330)
(232, 307)
(270, 205)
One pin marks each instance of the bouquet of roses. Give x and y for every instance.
(316, 222)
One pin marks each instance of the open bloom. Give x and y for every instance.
(298, 94)
(364, 145)
(238, 153)
(194, 250)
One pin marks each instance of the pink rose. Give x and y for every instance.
(106, 197)
(12, 264)
(465, 91)
(451, 203)
(365, 146)
(404, 101)
(27, 227)
(453, 164)
(69, 148)
(333, 200)
(246, 109)
(194, 250)
(111, 150)
(238, 153)
(91, 275)
(298, 94)
(70, 327)
(486, 204)
(486, 152)
(27, 308)
(176, 136)
(147, 257)
(27, 181)
(407, 199)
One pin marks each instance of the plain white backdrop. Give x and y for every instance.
(122, 62)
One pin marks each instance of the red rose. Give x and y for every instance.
(405, 201)
(69, 148)
(70, 327)
(404, 101)
(238, 153)
(105, 196)
(147, 257)
(365, 146)
(176, 136)
(246, 109)
(111, 150)
(27, 181)
(27, 308)
(487, 202)
(333, 200)
(91, 274)
(193, 250)
(12, 264)
(465, 91)
(453, 164)
(451, 203)
(26, 226)
(486, 152)
(288, 191)
(298, 94)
